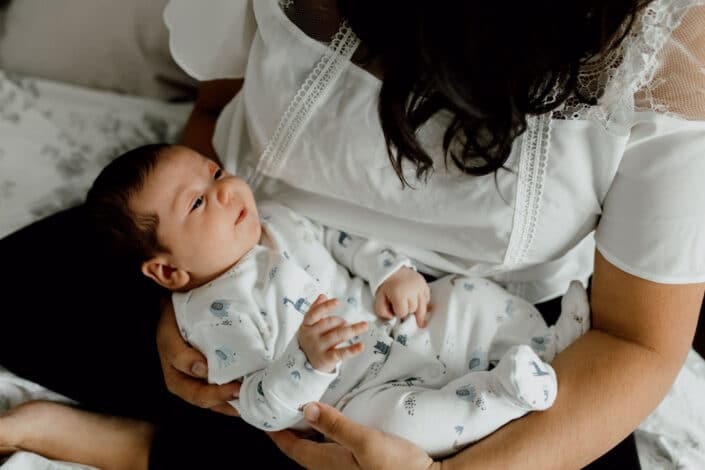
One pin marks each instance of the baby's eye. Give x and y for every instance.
(197, 203)
(218, 173)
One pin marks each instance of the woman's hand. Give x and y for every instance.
(185, 369)
(355, 446)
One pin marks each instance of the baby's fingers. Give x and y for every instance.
(422, 312)
(318, 309)
(319, 300)
(341, 334)
(382, 307)
(340, 354)
(326, 324)
(413, 303)
(400, 305)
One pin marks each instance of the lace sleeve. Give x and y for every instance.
(659, 66)
(678, 83)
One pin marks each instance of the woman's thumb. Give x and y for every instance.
(334, 425)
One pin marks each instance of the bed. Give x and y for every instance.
(68, 106)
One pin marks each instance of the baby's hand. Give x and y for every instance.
(402, 293)
(319, 335)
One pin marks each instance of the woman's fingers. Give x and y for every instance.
(313, 455)
(205, 395)
(187, 360)
(226, 409)
(336, 426)
(184, 368)
(319, 456)
(174, 352)
(354, 446)
(367, 448)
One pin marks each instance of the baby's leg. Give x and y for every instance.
(525, 325)
(441, 421)
(62, 432)
(574, 320)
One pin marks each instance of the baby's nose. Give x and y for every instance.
(223, 194)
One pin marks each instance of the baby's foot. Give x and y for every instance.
(575, 315)
(527, 380)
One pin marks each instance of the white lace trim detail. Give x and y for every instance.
(614, 80)
(533, 160)
(658, 22)
(312, 91)
(630, 68)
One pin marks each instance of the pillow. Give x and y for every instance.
(121, 46)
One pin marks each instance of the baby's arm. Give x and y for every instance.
(272, 399)
(238, 345)
(398, 289)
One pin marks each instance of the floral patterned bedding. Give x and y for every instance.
(55, 138)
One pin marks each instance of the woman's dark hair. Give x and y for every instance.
(489, 64)
(130, 235)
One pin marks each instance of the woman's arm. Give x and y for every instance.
(610, 379)
(210, 101)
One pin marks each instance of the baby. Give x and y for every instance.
(298, 312)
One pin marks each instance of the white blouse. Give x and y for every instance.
(627, 175)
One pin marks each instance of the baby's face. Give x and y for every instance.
(207, 218)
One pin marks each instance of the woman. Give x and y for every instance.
(503, 139)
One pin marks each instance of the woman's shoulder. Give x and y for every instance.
(210, 40)
(658, 66)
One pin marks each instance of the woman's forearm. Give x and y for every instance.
(606, 387)
(198, 132)
(212, 98)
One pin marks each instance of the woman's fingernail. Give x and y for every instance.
(311, 412)
(198, 369)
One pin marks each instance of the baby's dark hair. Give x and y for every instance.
(129, 235)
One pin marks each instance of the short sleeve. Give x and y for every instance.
(210, 39)
(653, 220)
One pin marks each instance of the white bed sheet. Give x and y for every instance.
(55, 138)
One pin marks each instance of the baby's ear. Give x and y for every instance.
(160, 271)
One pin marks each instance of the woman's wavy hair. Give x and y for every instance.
(489, 64)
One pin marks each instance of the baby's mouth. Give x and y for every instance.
(242, 215)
